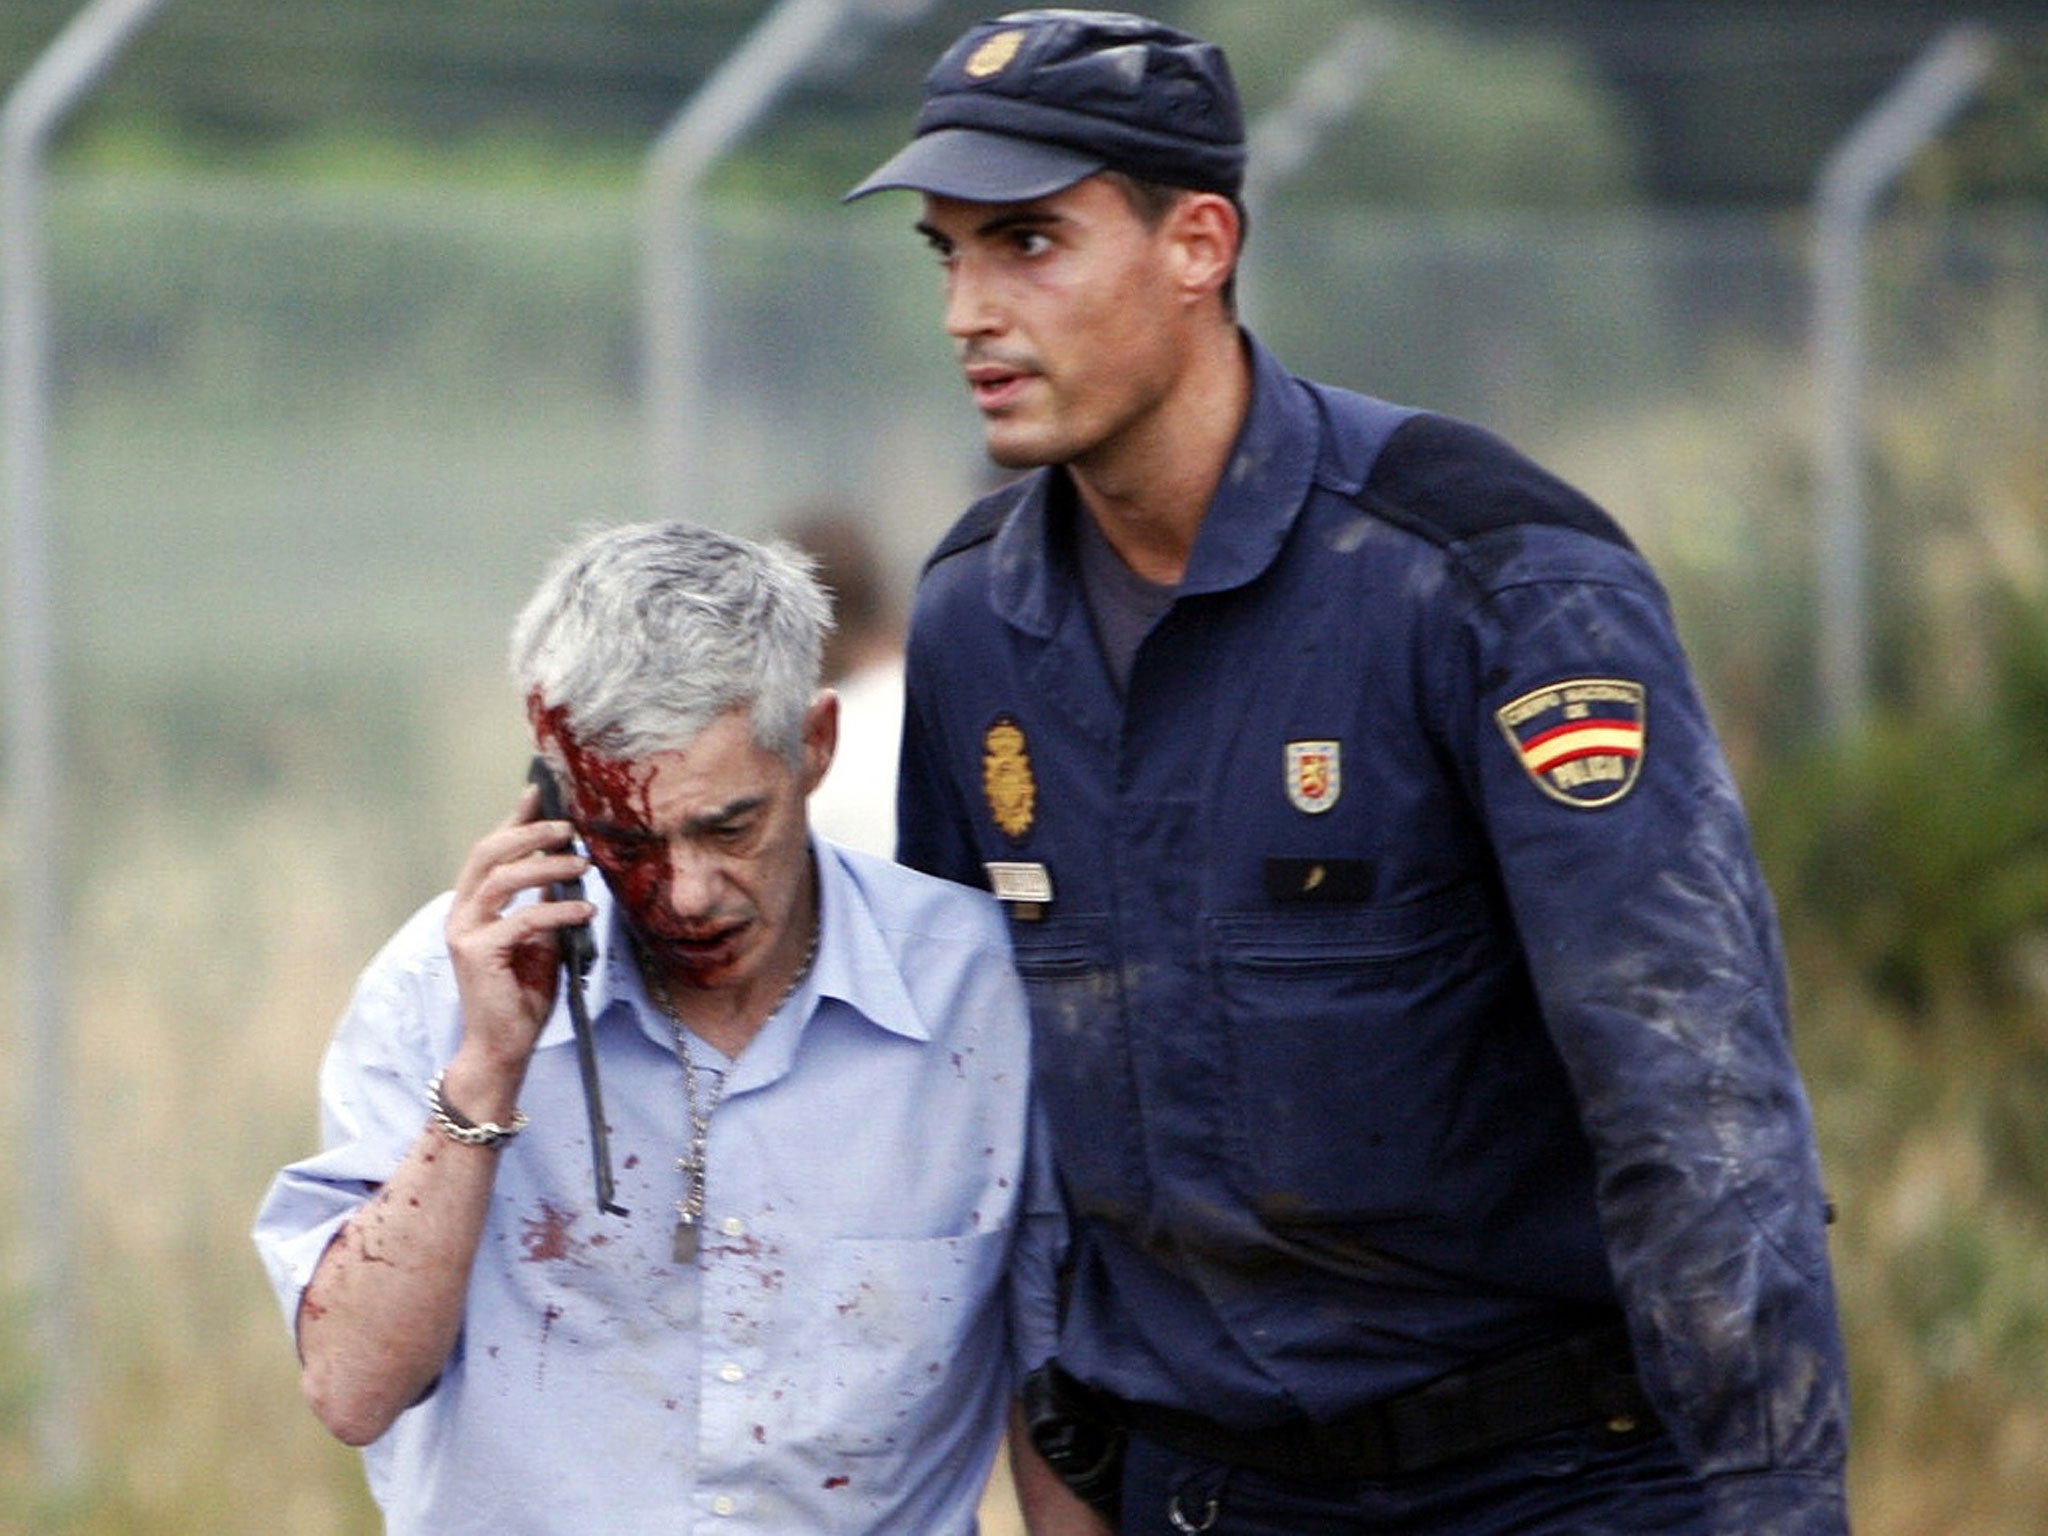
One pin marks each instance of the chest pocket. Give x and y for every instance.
(1081, 1061)
(1347, 1069)
(1070, 974)
(908, 1333)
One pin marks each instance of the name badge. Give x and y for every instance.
(1027, 888)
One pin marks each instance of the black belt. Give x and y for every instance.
(1586, 1378)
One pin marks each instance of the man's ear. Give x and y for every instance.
(1206, 232)
(821, 737)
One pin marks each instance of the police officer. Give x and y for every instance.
(1408, 1004)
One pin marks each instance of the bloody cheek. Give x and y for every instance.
(642, 886)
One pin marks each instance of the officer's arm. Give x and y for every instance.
(1653, 948)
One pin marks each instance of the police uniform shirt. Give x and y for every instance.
(1404, 988)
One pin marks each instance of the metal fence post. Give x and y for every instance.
(64, 73)
(1852, 179)
(724, 109)
(1328, 90)
(1284, 139)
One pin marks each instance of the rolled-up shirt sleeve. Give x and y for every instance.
(1040, 1253)
(372, 1107)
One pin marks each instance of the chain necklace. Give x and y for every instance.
(691, 1165)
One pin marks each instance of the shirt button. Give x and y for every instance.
(724, 1504)
(731, 1371)
(733, 1226)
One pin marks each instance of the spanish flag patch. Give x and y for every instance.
(1581, 741)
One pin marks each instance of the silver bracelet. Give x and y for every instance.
(456, 1126)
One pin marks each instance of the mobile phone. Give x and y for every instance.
(579, 949)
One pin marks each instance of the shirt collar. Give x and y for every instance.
(855, 962)
(1265, 481)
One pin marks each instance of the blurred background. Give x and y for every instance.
(357, 309)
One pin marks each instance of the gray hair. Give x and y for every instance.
(640, 636)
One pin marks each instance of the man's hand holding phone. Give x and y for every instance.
(507, 953)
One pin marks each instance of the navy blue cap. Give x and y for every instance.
(1032, 102)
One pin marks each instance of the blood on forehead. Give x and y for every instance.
(606, 788)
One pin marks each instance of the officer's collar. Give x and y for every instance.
(1265, 481)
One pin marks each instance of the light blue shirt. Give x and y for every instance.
(875, 1260)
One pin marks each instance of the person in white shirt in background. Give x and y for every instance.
(856, 803)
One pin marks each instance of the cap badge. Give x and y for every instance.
(1006, 778)
(1315, 775)
(994, 55)
(1581, 741)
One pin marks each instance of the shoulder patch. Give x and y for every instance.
(1580, 741)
